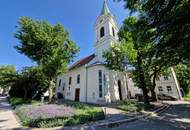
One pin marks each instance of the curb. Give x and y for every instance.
(158, 111)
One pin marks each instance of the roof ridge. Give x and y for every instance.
(82, 61)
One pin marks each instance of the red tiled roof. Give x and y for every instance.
(82, 62)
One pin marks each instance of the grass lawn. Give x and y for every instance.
(66, 113)
(130, 106)
(134, 106)
(15, 101)
(187, 97)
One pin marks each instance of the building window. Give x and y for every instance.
(166, 78)
(160, 89)
(70, 80)
(113, 31)
(169, 89)
(78, 79)
(102, 32)
(100, 83)
(59, 82)
(104, 80)
(64, 87)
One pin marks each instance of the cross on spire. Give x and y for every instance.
(105, 9)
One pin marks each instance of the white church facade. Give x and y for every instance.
(88, 80)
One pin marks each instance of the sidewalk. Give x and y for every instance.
(7, 118)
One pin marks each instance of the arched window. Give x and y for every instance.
(102, 32)
(100, 83)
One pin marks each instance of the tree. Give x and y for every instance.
(170, 18)
(7, 73)
(135, 44)
(183, 76)
(48, 45)
(28, 84)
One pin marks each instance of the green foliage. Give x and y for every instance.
(136, 44)
(183, 76)
(115, 58)
(28, 84)
(48, 45)
(7, 74)
(170, 19)
(187, 97)
(130, 106)
(15, 101)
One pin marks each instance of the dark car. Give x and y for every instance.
(166, 97)
(139, 97)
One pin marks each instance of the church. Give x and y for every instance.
(88, 80)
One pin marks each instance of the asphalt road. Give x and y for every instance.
(176, 117)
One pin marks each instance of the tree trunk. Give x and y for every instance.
(153, 93)
(142, 80)
(25, 93)
(146, 97)
(50, 89)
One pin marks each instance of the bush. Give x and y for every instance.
(15, 101)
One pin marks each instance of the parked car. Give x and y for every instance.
(166, 97)
(139, 97)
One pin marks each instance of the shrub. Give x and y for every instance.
(15, 101)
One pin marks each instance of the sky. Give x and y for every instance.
(77, 17)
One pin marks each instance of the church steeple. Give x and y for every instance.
(105, 9)
(106, 31)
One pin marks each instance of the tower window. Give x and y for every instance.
(113, 31)
(102, 32)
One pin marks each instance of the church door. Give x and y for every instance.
(77, 94)
(119, 89)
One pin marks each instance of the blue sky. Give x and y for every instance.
(77, 16)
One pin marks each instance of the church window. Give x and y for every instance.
(102, 32)
(100, 83)
(104, 80)
(70, 80)
(64, 87)
(59, 82)
(78, 79)
(113, 31)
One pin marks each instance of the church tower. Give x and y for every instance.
(106, 31)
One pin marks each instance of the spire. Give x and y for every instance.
(105, 9)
